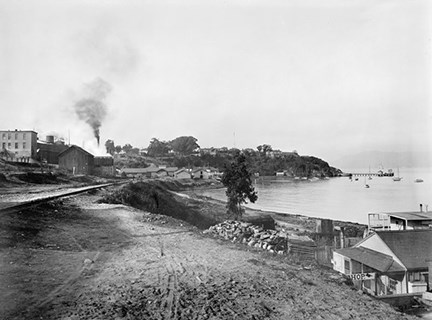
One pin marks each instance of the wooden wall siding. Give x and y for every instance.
(77, 162)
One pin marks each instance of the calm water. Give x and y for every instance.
(342, 199)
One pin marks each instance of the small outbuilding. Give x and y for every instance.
(182, 174)
(200, 173)
(104, 166)
(400, 220)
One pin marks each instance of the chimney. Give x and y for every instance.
(421, 207)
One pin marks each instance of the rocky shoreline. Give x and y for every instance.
(288, 221)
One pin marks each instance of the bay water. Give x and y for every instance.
(341, 198)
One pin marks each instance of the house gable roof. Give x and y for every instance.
(372, 258)
(74, 147)
(181, 170)
(412, 247)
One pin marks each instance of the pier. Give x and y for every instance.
(375, 174)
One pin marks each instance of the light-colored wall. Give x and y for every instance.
(338, 262)
(183, 175)
(9, 139)
(377, 244)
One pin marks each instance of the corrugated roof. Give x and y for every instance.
(372, 258)
(412, 247)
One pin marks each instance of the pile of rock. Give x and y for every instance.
(274, 241)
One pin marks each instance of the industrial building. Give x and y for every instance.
(18, 145)
(76, 160)
(49, 150)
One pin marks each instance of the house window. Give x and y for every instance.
(16, 136)
(4, 135)
(4, 145)
(347, 266)
(16, 145)
(24, 145)
(367, 284)
(9, 145)
(391, 289)
(24, 135)
(9, 136)
(415, 276)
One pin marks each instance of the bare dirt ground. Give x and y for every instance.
(77, 259)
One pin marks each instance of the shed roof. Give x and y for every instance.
(412, 247)
(182, 170)
(372, 258)
(151, 169)
(412, 215)
(74, 147)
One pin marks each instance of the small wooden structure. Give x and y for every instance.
(76, 160)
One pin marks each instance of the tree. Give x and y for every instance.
(135, 151)
(184, 145)
(127, 148)
(157, 148)
(109, 145)
(118, 148)
(238, 181)
(264, 149)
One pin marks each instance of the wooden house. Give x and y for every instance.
(388, 262)
(200, 173)
(182, 174)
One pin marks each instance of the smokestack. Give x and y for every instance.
(421, 207)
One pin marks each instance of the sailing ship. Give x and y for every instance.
(398, 178)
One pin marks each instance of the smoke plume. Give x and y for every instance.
(92, 108)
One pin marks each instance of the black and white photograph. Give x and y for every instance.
(215, 159)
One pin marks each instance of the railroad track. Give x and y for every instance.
(17, 206)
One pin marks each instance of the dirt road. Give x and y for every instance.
(76, 259)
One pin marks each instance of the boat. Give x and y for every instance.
(418, 180)
(366, 185)
(398, 178)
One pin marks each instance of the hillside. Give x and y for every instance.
(264, 164)
(80, 259)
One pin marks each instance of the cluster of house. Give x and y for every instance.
(394, 258)
(224, 150)
(154, 171)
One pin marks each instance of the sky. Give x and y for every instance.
(327, 78)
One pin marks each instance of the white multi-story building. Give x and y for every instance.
(18, 145)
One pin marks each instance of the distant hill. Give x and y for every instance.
(376, 159)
